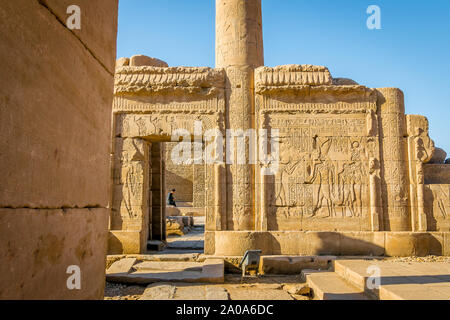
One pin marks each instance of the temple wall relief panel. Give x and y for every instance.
(131, 181)
(328, 175)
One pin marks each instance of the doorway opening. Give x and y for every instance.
(179, 228)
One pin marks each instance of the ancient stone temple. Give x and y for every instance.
(355, 174)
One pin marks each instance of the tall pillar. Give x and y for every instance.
(395, 180)
(239, 50)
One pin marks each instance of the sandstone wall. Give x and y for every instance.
(55, 111)
(179, 177)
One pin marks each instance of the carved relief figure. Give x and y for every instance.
(322, 173)
(441, 197)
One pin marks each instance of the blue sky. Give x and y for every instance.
(411, 51)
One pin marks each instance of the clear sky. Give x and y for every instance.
(411, 51)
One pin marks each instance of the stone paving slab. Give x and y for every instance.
(183, 291)
(147, 266)
(258, 294)
(210, 271)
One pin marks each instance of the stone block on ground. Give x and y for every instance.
(210, 271)
(145, 61)
(159, 291)
(293, 264)
(175, 226)
(172, 211)
(297, 289)
(122, 266)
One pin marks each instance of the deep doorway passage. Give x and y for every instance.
(180, 229)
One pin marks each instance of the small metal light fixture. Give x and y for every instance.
(250, 262)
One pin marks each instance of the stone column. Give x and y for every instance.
(239, 49)
(420, 151)
(395, 181)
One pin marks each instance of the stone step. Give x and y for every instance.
(146, 272)
(398, 280)
(327, 285)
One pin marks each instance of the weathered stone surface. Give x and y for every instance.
(159, 291)
(122, 62)
(175, 226)
(98, 26)
(122, 266)
(407, 244)
(437, 173)
(56, 88)
(53, 108)
(38, 246)
(439, 156)
(216, 293)
(127, 242)
(321, 243)
(344, 82)
(144, 61)
(210, 271)
(297, 289)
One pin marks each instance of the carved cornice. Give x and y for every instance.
(307, 81)
(149, 80)
(288, 76)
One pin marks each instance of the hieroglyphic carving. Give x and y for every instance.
(375, 195)
(311, 107)
(199, 174)
(420, 151)
(161, 105)
(131, 184)
(240, 117)
(239, 49)
(146, 125)
(323, 171)
(239, 39)
(437, 200)
(395, 181)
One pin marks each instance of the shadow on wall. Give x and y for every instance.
(349, 243)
